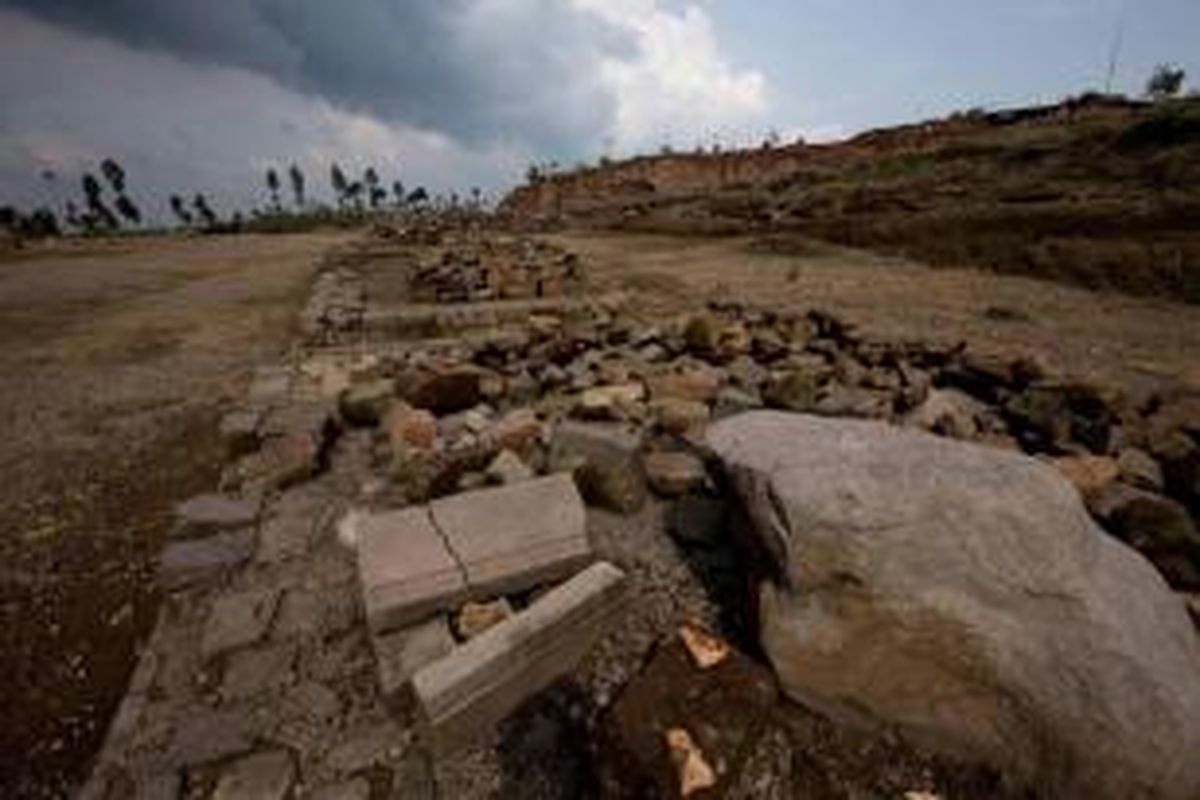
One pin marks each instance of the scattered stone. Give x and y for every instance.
(732, 401)
(1078, 653)
(604, 460)
(444, 391)
(511, 538)
(695, 774)
(793, 391)
(1139, 469)
(508, 468)
(184, 564)
(699, 385)
(515, 431)
(949, 412)
(238, 620)
(410, 429)
(407, 570)
(366, 403)
(610, 402)
(466, 693)
(680, 417)
(1155, 525)
(705, 649)
(724, 708)
(1088, 474)
(839, 400)
(262, 776)
(400, 654)
(206, 514)
(702, 334)
(672, 474)
(475, 618)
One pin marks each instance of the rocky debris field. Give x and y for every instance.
(545, 544)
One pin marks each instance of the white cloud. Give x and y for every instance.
(677, 86)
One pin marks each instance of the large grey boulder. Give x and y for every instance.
(963, 595)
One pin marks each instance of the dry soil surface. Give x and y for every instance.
(1119, 340)
(117, 359)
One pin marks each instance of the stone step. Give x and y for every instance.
(462, 696)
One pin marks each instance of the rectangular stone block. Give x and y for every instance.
(183, 564)
(514, 537)
(466, 693)
(406, 569)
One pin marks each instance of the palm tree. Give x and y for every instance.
(180, 210)
(114, 174)
(128, 210)
(398, 193)
(97, 212)
(297, 180)
(337, 179)
(200, 203)
(375, 194)
(273, 187)
(418, 196)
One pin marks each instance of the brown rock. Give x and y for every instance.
(475, 618)
(674, 474)
(1138, 468)
(1089, 474)
(410, 429)
(699, 385)
(680, 416)
(446, 390)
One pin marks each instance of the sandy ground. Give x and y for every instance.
(1120, 340)
(117, 359)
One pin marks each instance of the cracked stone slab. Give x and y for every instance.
(238, 620)
(515, 537)
(406, 569)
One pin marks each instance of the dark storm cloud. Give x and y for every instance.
(479, 70)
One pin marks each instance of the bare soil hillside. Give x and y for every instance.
(1099, 193)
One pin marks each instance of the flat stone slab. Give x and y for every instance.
(477, 545)
(206, 514)
(407, 571)
(237, 620)
(183, 564)
(262, 776)
(466, 693)
(514, 537)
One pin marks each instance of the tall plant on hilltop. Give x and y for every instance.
(337, 179)
(179, 209)
(204, 210)
(98, 214)
(273, 188)
(114, 173)
(1166, 81)
(375, 193)
(297, 180)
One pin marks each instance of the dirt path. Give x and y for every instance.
(117, 359)
(1114, 338)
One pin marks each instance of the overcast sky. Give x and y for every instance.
(206, 94)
